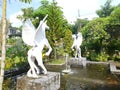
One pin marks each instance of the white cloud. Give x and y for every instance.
(86, 8)
(14, 21)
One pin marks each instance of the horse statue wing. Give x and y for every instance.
(39, 35)
(28, 33)
(80, 37)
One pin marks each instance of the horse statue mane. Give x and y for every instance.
(37, 39)
(76, 44)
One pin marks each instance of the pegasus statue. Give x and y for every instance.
(37, 39)
(76, 45)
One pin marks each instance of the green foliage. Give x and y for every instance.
(112, 47)
(105, 10)
(18, 49)
(102, 56)
(94, 34)
(9, 63)
(102, 38)
(16, 55)
(115, 16)
(27, 13)
(58, 28)
(56, 22)
(67, 41)
(40, 12)
(113, 29)
(92, 55)
(11, 41)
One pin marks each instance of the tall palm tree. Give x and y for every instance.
(4, 4)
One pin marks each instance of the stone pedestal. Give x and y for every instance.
(51, 81)
(76, 61)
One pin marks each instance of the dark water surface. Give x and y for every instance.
(93, 77)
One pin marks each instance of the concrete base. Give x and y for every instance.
(114, 69)
(51, 81)
(75, 61)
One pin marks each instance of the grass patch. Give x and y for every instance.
(59, 61)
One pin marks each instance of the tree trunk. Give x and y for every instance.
(3, 42)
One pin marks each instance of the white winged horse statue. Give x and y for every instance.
(37, 39)
(76, 44)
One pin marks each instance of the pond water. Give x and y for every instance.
(91, 77)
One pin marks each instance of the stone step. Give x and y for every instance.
(113, 69)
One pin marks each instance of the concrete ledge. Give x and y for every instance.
(113, 69)
(79, 62)
(51, 81)
(75, 61)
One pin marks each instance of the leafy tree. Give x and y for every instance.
(39, 13)
(57, 23)
(106, 9)
(113, 29)
(95, 36)
(115, 16)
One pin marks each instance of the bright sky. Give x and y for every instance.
(86, 8)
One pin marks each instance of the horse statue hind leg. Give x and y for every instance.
(34, 70)
(79, 53)
(39, 56)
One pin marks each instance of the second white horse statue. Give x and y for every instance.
(76, 45)
(37, 39)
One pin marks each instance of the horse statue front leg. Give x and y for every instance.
(33, 71)
(79, 53)
(49, 47)
(40, 62)
(72, 47)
